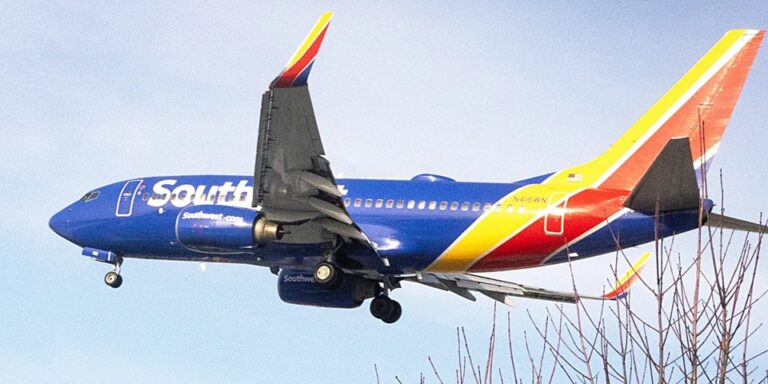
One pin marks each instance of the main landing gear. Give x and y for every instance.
(113, 278)
(326, 272)
(382, 307)
(386, 309)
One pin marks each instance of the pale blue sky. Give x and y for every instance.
(95, 93)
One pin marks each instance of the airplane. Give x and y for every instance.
(338, 242)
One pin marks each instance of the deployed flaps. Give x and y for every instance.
(320, 183)
(330, 210)
(288, 143)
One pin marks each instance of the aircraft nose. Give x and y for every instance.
(61, 223)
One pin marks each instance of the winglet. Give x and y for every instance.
(621, 289)
(296, 72)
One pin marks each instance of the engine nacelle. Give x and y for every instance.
(214, 228)
(300, 288)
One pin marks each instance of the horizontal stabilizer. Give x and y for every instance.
(670, 181)
(725, 222)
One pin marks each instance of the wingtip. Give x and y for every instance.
(296, 71)
(621, 289)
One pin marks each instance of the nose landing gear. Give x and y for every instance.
(113, 278)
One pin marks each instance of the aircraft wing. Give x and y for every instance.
(504, 291)
(293, 182)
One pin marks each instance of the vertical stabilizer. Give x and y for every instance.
(698, 107)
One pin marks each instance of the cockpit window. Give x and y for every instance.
(90, 196)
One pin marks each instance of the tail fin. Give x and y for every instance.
(698, 107)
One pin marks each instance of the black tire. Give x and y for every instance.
(326, 274)
(113, 279)
(381, 307)
(397, 311)
(119, 281)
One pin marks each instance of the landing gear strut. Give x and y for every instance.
(386, 309)
(113, 278)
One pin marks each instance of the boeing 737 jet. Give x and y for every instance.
(338, 242)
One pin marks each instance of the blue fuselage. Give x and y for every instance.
(411, 222)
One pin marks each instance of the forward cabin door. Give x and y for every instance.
(126, 198)
(554, 221)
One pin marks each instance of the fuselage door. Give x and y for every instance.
(126, 198)
(554, 221)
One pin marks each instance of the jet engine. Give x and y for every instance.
(214, 228)
(298, 287)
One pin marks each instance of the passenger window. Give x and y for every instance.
(487, 207)
(400, 204)
(243, 196)
(443, 205)
(454, 206)
(379, 203)
(411, 204)
(145, 197)
(465, 206)
(211, 197)
(390, 203)
(476, 207)
(422, 204)
(347, 201)
(521, 209)
(357, 202)
(432, 204)
(510, 208)
(173, 196)
(230, 197)
(368, 203)
(498, 207)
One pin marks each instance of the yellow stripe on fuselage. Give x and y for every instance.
(495, 225)
(494, 228)
(325, 18)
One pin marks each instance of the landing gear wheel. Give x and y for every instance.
(397, 310)
(386, 309)
(381, 306)
(113, 279)
(326, 273)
